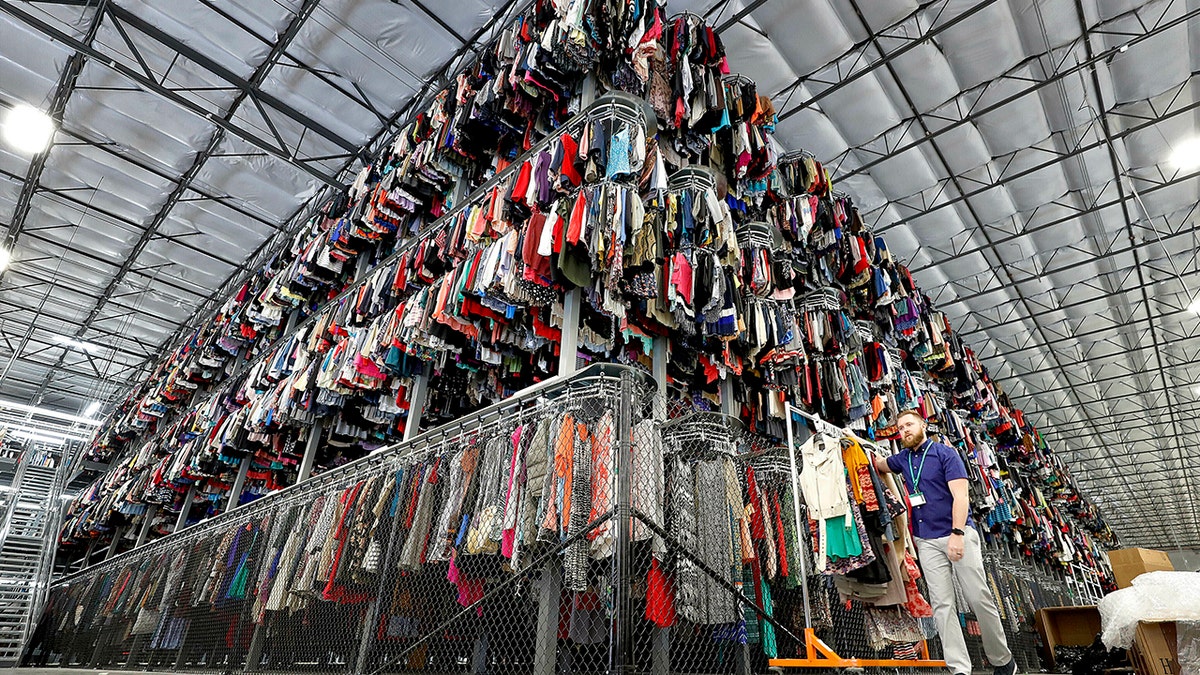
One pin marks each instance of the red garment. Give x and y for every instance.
(473, 308)
(660, 597)
(863, 261)
(916, 605)
(570, 150)
(333, 591)
(412, 502)
(521, 186)
(545, 330)
(780, 545)
(470, 591)
(578, 215)
(758, 528)
(539, 265)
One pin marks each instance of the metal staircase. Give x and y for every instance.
(30, 514)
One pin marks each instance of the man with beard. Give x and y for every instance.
(947, 543)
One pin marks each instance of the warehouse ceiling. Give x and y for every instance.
(1030, 160)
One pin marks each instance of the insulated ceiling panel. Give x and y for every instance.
(1015, 152)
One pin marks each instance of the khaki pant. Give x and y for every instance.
(939, 575)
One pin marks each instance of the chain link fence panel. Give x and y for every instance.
(590, 526)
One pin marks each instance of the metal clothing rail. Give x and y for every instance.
(836, 429)
(697, 177)
(817, 653)
(758, 233)
(538, 393)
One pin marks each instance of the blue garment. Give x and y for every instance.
(618, 155)
(936, 518)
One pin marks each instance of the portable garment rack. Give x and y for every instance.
(817, 654)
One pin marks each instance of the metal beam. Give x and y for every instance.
(358, 98)
(1066, 431)
(975, 115)
(85, 207)
(1118, 173)
(106, 261)
(247, 88)
(1128, 423)
(1109, 254)
(51, 344)
(1091, 380)
(157, 89)
(74, 322)
(58, 105)
(1058, 158)
(260, 74)
(885, 58)
(115, 151)
(89, 393)
(439, 21)
(1026, 230)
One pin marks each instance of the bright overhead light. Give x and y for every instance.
(34, 434)
(76, 344)
(5, 258)
(1186, 155)
(1194, 308)
(1123, 48)
(45, 412)
(27, 129)
(92, 409)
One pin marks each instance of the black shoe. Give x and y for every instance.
(1009, 668)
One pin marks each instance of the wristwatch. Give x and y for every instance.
(958, 532)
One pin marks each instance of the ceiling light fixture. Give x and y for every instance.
(35, 410)
(45, 436)
(92, 409)
(5, 258)
(1194, 308)
(76, 344)
(1186, 155)
(27, 129)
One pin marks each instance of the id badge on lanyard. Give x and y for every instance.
(917, 498)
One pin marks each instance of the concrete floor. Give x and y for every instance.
(85, 671)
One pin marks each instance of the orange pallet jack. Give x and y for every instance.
(817, 654)
(820, 655)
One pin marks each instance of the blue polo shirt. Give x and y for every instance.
(936, 518)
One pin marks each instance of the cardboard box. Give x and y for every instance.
(1128, 563)
(1067, 626)
(1155, 648)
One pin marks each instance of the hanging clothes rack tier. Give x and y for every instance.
(617, 105)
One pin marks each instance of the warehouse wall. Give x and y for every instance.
(1185, 560)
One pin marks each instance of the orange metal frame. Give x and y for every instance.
(819, 655)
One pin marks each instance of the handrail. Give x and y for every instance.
(557, 384)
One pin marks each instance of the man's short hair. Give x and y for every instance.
(910, 411)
